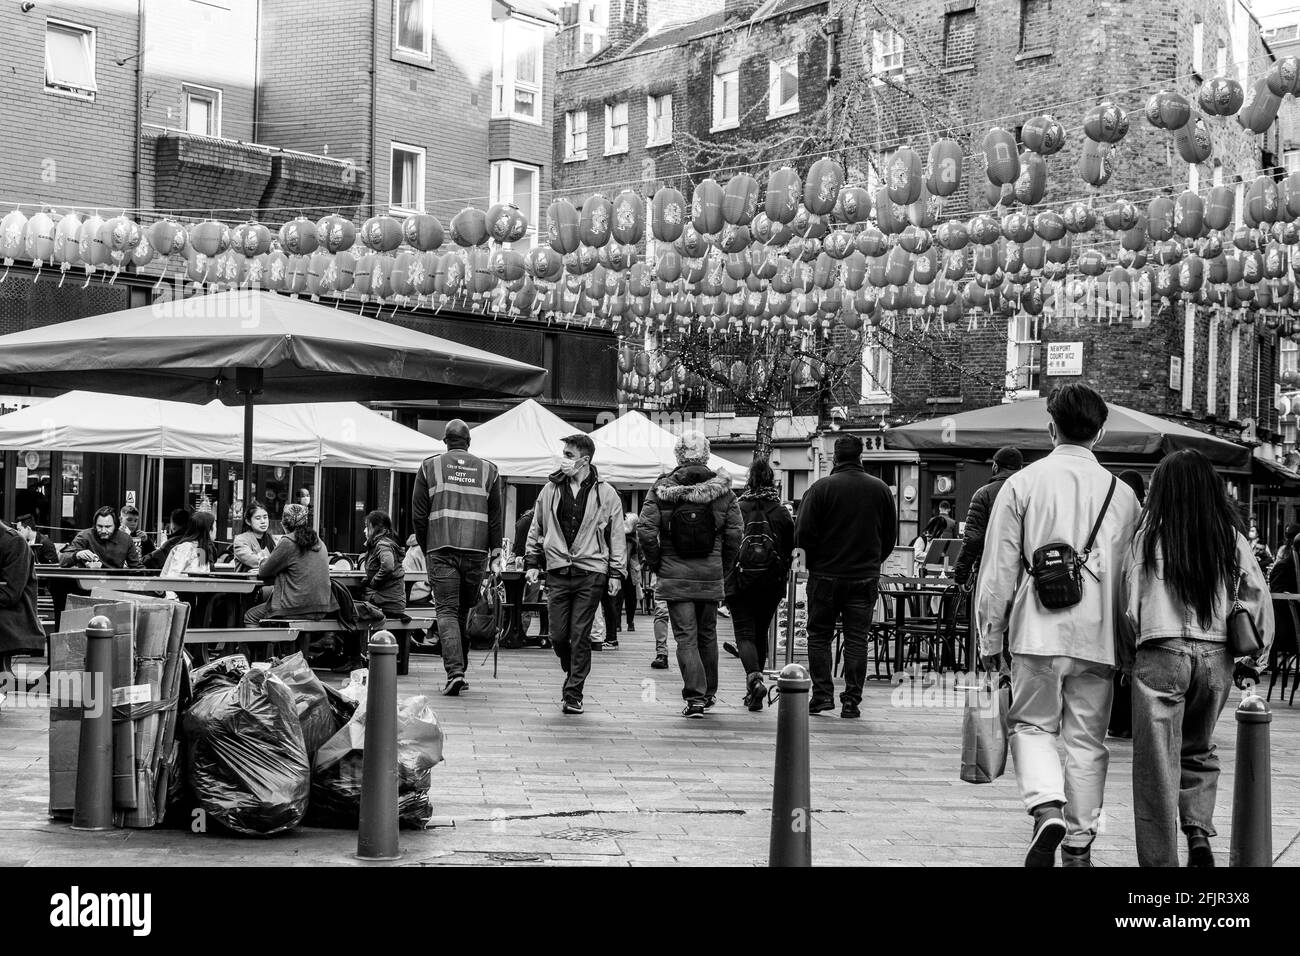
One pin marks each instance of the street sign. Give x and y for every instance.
(1064, 358)
(1175, 372)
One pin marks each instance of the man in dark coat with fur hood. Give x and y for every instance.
(690, 532)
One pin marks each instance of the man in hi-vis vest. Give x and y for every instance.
(457, 510)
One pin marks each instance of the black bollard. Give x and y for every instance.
(377, 833)
(791, 843)
(94, 807)
(1252, 795)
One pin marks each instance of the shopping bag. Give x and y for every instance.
(984, 731)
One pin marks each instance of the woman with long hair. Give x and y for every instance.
(1188, 562)
(195, 551)
(256, 542)
(756, 584)
(298, 571)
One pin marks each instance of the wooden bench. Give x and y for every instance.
(202, 637)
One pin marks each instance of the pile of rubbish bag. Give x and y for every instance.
(271, 746)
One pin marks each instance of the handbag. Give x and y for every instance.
(1244, 639)
(1057, 568)
(985, 730)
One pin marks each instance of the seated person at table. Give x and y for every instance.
(195, 551)
(416, 566)
(177, 523)
(299, 572)
(255, 544)
(385, 578)
(43, 548)
(130, 519)
(104, 545)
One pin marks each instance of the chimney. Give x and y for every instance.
(627, 21)
(737, 10)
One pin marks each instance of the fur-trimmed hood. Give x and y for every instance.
(697, 484)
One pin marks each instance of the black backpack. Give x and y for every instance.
(693, 529)
(757, 560)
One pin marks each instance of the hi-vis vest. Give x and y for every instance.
(458, 501)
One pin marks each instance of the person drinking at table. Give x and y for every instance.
(1061, 510)
(43, 549)
(381, 562)
(103, 545)
(255, 543)
(299, 573)
(178, 521)
(847, 527)
(130, 519)
(1187, 566)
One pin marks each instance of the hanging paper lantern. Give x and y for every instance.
(706, 207)
(423, 232)
(145, 253)
(1160, 218)
(956, 263)
(822, 188)
(1032, 181)
(1017, 227)
(1193, 140)
(205, 269)
(321, 272)
(544, 263)
(952, 234)
(345, 271)
(505, 223)
(628, 226)
(1220, 207)
(334, 233)
(384, 233)
(562, 226)
(891, 218)
(871, 242)
(1260, 109)
(1058, 250)
(91, 248)
(13, 237)
(1079, 217)
(1166, 110)
(1288, 197)
(469, 228)
(66, 251)
(733, 239)
(1220, 96)
(783, 191)
(1043, 135)
(120, 235)
(1049, 225)
(1001, 156)
(1189, 215)
(925, 211)
(210, 238)
(1283, 76)
(1135, 237)
(1105, 123)
(596, 221)
(298, 237)
(250, 240)
(740, 199)
(38, 239)
(1095, 163)
(943, 174)
(984, 230)
(1261, 202)
(853, 205)
(902, 176)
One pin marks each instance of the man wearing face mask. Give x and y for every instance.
(577, 533)
(456, 508)
(1063, 655)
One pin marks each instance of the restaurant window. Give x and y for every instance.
(726, 99)
(575, 135)
(202, 111)
(414, 29)
(615, 128)
(407, 192)
(70, 59)
(782, 87)
(1023, 346)
(517, 71)
(517, 185)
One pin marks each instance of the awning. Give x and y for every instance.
(1273, 477)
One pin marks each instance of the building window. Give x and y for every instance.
(659, 119)
(517, 184)
(517, 71)
(877, 368)
(202, 111)
(575, 135)
(783, 87)
(1037, 27)
(1291, 160)
(1288, 359)
(70, 59)
(1022, 355)
(878, 169)
(886, 55)
(1198, 46)
(407, 189)
(615, 128)
(1193, 177)
(1221, 60)
(726, 99)
(1189, 356)
(959, 38)
(413, 32)
(1218, 174)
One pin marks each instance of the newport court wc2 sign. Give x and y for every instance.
(1064, 358)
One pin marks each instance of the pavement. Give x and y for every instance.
(632, 783)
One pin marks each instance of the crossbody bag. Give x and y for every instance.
(1057, 568)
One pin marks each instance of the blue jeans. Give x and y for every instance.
(854, 601)
(695, 629)
(1180, 687)
(455, 577)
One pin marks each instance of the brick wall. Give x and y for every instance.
(194, 172)
(959, 37)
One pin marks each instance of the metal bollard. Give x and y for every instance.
(377, 832)
(1252, 795)
(791, 843)
(94, 807)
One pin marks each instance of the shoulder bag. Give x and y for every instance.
(1057, 567)
(1244, 639)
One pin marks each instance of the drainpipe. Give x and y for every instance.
(139, 98)
(257, 68)
(374, 97)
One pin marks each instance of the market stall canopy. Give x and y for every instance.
(525, 441)
(1274, 477)
(636, 433)
(1024, 425)
(342, 434)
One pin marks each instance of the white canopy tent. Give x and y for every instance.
(636, 433)
(524, 443)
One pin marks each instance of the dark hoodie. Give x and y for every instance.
(385, 578)
(690, 579)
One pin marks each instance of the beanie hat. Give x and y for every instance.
(692, 448)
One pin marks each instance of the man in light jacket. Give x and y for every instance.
(1063, 659)
(577, 535)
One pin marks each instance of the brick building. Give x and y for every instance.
(244, 109)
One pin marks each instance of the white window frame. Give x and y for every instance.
(572, 155)
(1189, 356)
(774, 70)
(721, 120)
(1221, 60)
(1212, 366)
(396, 207)
(888, 50)
(877, 369)
(212, 95)
(662, 139)
(1024, 351)
(426, 51)
(1198, 46)
(610, 109)
(506, 81)
(90, 42)
(1291, 160)
(502, 174)
(1288, 357)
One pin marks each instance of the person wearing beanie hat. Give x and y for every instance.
(689, 534)
(456, 508)
(1006, 462)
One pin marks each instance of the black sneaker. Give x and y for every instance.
(1199, 853)
(597, 645)
(660, 663)
(571, 707)
(710, 702)
(454, 686)
(851, 711)
(612, 645)
(818, 706)
(630, 628)
(693, 711)
(1049, 831)
(757, 695)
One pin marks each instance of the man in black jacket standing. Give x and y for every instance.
(847, 526)
(1006, 462)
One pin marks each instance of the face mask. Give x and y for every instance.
(568, 466)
